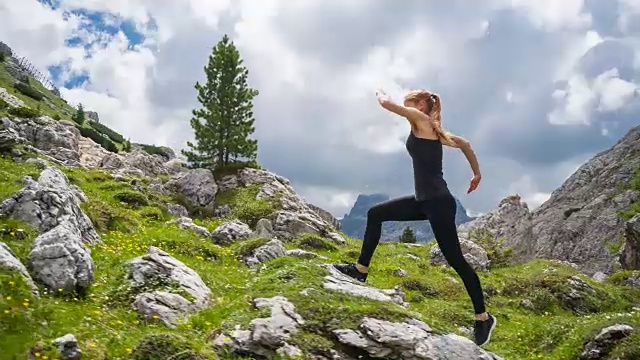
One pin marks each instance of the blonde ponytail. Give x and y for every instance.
(436, 122)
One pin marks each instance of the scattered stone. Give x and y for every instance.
(222, 211)
(158, 186)
(68, 347)
(38, 162)
(177, 210)
(400, 272)
(413, 257)
(231, 231)
(264, 229)
(59, 139)
(60, 261)
(49, 202)
(10, 262)
(10, 99)
(527, 304)
(198, 186)
(267, 252)
(92, 115)
(336, 238)
(630, 254)
(337, 281)
(599, 276)
(186, 223)
(391, 340)
(602, 344)
(266, 336)
(167, 306)
(303, 254)
(475, 255)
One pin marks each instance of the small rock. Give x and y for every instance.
(264, 229)
(10, 262)
(303, 254)
(60, 260)
(336, 238)
(400, 273)
(527, 304)
(177, 210)
(475, 255)
(267, 252)
(38, 162)
(231, 231)
(602, 344)
(68, 347)
(267, 336)
(187, 223)
(599, 276)
(337, 281)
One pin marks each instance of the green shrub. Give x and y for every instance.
(24, 112)
(2, 56)
(420, 287)
(314, 242)
(246, 247)
(499, 255)
(234, 167)
(57, 117)
(29, 91)
(153, 213)
(245, 207)
(165, 346)
(132, 198)
(3, 104)
(104, 130)
(107, 218)
(98, 138)
(155, 150)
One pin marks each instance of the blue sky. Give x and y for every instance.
(537, 86)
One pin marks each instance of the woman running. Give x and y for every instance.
(432, 200)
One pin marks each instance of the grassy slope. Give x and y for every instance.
(106, 328)
(62, 109)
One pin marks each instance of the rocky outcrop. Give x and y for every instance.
(58, 139)
(268, 336)
(68, 347)
(336, 281)
(231, 231)
(511, 217)
(60, 260)
(630, 254)
(295, 217)
(168, 305)
(10, 99)
(410, 340)
(187, 223)
(601, 345)
(49, 202)
(197, 186)
(582, 215)
(326, 216)
(9, 262)
(475, 255)
(137, 163)
(265, 253)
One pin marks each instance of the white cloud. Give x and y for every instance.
(552, 15)
(318, 96)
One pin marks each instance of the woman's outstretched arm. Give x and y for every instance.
(411, 114)
(464, 145)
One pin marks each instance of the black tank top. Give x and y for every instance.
(426, 155)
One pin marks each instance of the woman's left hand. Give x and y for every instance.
(382, 96)
(475, 181)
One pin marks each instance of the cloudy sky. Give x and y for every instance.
(537, 86)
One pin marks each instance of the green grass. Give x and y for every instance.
(107, 328)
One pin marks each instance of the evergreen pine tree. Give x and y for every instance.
(408, 236)
(79, 116)
(223, 125)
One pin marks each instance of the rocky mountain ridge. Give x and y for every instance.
(354, 222)
(582, 221)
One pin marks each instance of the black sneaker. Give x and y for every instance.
(482, 330)
(352, 271)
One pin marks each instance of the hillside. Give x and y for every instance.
(354, 223)
(132, 255)
(587, 221)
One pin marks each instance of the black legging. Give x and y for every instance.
(441, 213)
